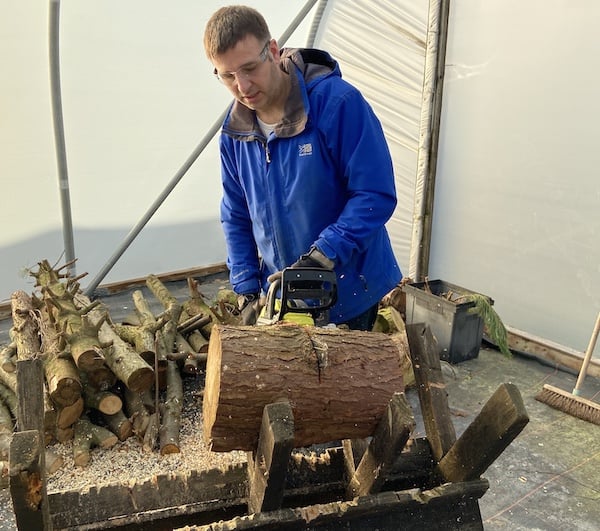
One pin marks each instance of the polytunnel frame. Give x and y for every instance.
(427, 153)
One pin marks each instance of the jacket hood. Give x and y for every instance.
(311, 62)
(306, 66)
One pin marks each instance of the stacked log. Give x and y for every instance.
(103, 382)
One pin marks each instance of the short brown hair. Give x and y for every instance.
(229, 25)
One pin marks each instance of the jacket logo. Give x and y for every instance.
(304, 150)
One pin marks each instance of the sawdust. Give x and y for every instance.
(126, 461)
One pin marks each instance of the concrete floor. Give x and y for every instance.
(547, 479)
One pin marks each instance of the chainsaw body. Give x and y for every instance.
(305, 290)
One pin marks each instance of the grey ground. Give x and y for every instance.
(547, 479)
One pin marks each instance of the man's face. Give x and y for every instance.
(249, 71)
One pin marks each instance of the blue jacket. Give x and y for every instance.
(324, 177)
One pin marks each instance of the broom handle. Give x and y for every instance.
(588, 356)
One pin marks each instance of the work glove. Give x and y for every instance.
(314, 258)
(249, 308)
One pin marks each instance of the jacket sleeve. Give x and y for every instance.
(355, 140)
(242, 254)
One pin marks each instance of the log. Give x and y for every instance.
(62, 377)
(198, 342)
(339, 382)
(121, 358)
(140, 338)
(171, 411)
(9, 398)
(151, 434)
(68, 415)
(104, 401)
(190, 360)
(8, 357)
(137, 412)
(196, 305)
(25, 327)
(88, 435)
(6, 429)
(101, 378)
(119, 424)
(9, 379)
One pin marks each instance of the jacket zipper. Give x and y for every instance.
(267, 152)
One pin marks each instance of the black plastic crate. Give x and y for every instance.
(457, 330)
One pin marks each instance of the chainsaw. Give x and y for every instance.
(306, 294)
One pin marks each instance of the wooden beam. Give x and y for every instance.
(501, 419)
(387, 443)
(549, 351)
(28, 463)
(267, 469)
(431, 389)
(172, 276)
(449, 506)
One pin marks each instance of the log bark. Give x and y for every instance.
(25, 326)
(62, 376)
(338, 382)
(121, 358)
(151, 434)
(68, 415)
(9, 398)
(9, 379)
(54, 461)
(88, 435)
(137, 412)
(190, 359)
(119, 424)
(102, 378)
(171, 411)
(8, 357)
(196, 305)
(104, 401)
(6, 429)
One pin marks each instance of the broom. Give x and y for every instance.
(572, 403)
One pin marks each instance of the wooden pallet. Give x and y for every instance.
(392, 482)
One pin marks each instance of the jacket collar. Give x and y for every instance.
(303, 66)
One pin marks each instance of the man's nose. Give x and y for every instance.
(242, 81)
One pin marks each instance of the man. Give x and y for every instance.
(306, 171)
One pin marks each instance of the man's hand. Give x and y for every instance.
(249, 307)
(314, 258)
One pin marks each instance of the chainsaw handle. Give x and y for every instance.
(271, 299)
(308, 283)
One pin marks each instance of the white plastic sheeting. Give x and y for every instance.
(517, 199)
(517, 204)
(138, 95)
(381, 47)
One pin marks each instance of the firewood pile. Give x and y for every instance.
(106, 382)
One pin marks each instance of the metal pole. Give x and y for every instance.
(59, 135)
(182, 171)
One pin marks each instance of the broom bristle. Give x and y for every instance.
(575, 406)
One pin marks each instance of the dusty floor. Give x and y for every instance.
(547, 479)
